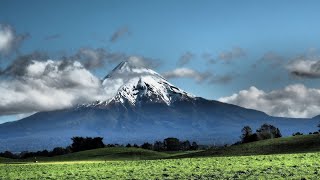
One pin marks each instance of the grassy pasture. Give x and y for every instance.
(284, 158)
(285, 166)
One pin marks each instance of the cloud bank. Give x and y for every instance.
(31, 84)
(293, 101)
(48, 85)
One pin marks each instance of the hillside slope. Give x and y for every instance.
(111, 153)
(102, 154)
(285, 145)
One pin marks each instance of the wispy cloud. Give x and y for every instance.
(198, 76)
(271, 58)
(187, 73)
(234, 53)
(121, 32)
(222, 79)
(52, 37)
(99, 58)
(185, 58)
(208, 58)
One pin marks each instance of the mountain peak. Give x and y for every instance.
(132, 67)
(131, 82)
(126, 66)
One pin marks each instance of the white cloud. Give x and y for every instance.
(293, 101)
(199, 76)
(186, 73)
(305, 68)
(6, 38)
(9, 40)
(49, 85)
(31, 85)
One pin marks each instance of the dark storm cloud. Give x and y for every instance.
(19, 64)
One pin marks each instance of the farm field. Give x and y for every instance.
(287, 166)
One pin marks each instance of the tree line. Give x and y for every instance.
(87, 143)
(170, 144)
(266, 131)
(78, 144)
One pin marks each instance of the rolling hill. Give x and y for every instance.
(284, 145)
(103, 154)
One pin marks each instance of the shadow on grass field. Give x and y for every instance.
(103, 154)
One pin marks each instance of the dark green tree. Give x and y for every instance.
(146, 145)
(194, 146)
(185, 145)
(158, 146)
(267, 131)
(247, 135)
(135, 145)
(171, 144)
(128, 145)
(81, 143)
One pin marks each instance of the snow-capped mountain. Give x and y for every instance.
(141, 106)
(129, 83)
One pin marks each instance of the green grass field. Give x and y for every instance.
(235, 162)
(289, 166)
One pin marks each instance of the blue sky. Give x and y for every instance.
(165, 30)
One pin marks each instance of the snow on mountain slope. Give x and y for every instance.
(130, 83)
